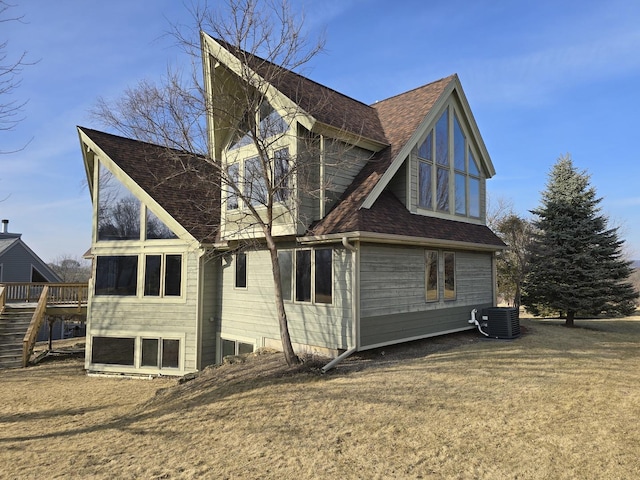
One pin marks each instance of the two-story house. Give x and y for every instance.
(388, 245)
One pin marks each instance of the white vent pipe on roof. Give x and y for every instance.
(5, 226)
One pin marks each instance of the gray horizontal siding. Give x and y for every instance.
(387, 329)
(392, 293)
(16, 264)
(250, 313)
(208, 327)
(152, 317)
(392, 280)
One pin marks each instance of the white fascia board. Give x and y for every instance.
(88, 163)
(391, 239)
(348, 137)
(136, 190)
(453, 87)
(278, 99)
(475, 131)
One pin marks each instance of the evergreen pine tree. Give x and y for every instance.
(576, 263)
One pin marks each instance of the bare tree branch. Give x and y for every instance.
(11, 109)
(267, 163)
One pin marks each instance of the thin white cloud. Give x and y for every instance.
(538, 76)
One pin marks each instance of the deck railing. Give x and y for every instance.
(36, 321)
(58, 293)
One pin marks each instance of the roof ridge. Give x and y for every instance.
(448, 78)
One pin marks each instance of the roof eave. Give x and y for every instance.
(214, 49)
(392, 239)
(349, 137)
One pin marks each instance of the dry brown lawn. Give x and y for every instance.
(555, 404)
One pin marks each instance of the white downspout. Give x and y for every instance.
(355, 301)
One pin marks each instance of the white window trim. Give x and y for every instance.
(137, 351)
(313, 277)
(454, 112)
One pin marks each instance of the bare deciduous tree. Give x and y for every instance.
(71, 269)
(267, 43)
(10, 79)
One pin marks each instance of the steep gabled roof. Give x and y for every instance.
(183, 184)
(402, 114)
(392, 121)
(11, 244)
(324, 104)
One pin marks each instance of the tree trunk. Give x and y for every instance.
(569, 321)
(287, 348)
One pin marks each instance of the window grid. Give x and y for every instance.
(448, 176)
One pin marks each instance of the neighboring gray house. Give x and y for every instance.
(18, 263)
(395, 248)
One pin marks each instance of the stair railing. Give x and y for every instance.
(3, 297)
(36, 321)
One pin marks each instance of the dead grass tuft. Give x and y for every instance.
(556, 403)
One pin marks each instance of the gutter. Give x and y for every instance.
(355, 305)
(392, 239)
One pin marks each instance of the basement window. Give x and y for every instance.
(113, 350)
(235, 347)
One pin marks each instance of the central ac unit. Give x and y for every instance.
(501, 322)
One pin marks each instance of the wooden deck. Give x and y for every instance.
(53, 299)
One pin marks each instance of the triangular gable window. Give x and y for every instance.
(473, 166)
(270, 123)
(440, 161)
(120, 213)
(156, 228)
(118, 209)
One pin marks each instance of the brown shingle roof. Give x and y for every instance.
(184, 184)
(389, 216)
(324, 104)
(400, 116)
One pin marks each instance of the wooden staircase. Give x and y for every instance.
(14, 323)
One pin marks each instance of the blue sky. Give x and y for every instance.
(543, 78)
